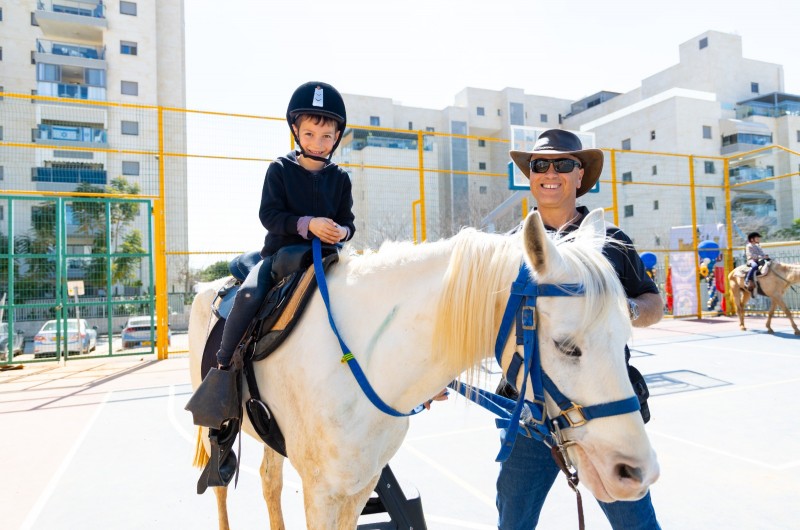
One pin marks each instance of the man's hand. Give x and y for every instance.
(441, 396)
(326, 230)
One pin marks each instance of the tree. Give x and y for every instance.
(215, 271)
(791, 233)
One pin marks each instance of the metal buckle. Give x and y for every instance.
(527, 415)
(528, 317)
(577, 409)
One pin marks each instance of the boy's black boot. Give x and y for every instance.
(216, 400)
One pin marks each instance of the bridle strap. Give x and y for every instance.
(347, 356)
(572, 480)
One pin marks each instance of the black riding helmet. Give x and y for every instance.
(752, 235)
(316, 97)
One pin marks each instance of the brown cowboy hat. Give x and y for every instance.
(560, 142)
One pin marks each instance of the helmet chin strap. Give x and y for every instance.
(313, 157)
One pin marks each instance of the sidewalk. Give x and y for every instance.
(105, 443)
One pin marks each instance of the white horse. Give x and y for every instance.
(416, 317)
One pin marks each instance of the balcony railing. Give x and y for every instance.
(747, 174)
(70, 50)
(67, 133)
(74, 91)
(69, 175)
(73, 7)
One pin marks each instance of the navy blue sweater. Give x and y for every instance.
(291, 192)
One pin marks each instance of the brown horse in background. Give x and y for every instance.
(773, 285)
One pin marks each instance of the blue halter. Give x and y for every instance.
(532, 416)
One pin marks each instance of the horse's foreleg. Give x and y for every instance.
(772, 303)
(740, 298)
(222, 507)
(331, 512)
(272, 485)
(782, 304)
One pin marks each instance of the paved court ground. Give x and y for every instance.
(105, 443)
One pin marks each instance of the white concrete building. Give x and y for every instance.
(128, 53)
(714, 103)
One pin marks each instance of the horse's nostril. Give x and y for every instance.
(628, 472)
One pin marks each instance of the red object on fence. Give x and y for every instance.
(668, 289)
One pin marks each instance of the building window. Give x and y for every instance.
(127, 47)
(410, 126)
(482, 190)
(130, 88)
(1, 14)
(655, 170)
(754, 88)
(798, 136)
(652, 135)
(482, 166)
(2, 213)
(706, 131)
(430, 129)
(627, 177)
(1, 132)
(703, 42)
(2, 173)
(482, 142)
(375, 121)
(626, 144)
(130, 168)
(130, 127)
(1, 53)
(655, 205)
(628, 210)
(33, 19)
(710, 203)
(481, 111)
(127, 8)
(709, 167)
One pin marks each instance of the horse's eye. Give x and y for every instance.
(568, 349)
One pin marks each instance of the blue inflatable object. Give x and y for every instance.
(708, 249)
(649, 259)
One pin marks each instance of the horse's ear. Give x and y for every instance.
(539, 249)
(593, 228)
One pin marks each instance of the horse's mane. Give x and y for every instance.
(484, 265)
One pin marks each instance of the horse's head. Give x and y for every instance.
(581, 341)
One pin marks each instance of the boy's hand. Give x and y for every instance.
(326, 230)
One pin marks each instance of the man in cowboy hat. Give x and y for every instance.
(560, 171)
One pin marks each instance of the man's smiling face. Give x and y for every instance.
(552, 189)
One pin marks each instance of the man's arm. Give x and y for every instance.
(651, 309)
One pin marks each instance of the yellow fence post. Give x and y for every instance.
(421, 160)
(614, 199)
(160, 250)
(694, 238)
(729, 306)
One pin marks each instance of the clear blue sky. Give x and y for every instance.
(247, 56)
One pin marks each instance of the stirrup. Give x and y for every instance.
(222, 463)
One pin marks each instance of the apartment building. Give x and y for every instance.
(103, 66)
(714, 103)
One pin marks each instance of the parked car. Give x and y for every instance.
(18, 341)
(136, 332)
(81, 337)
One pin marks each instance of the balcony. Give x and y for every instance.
(70, 55)
(69, 175)
(71, 90)
(72, 19)
(772, 105)
(358, 139)
(70, 135)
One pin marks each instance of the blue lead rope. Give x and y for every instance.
(347, 356)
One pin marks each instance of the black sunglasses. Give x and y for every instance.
(562, 165)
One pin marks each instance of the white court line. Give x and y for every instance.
(36, 511)
(454, 478)
(784, 467)
(724, 390)
(456, 522)
(192, 439)
(746, 351)
(449, 433)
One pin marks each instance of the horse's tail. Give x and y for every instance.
(200, 455)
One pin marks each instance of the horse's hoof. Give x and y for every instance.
(797, 332)
(742, 328)
(769, 330)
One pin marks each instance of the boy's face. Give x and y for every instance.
(316, 137)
